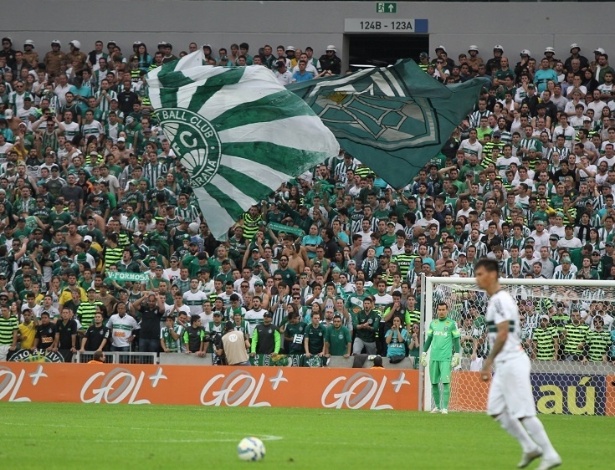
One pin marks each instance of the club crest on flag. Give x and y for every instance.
(392, 119)
(195, 140)
(391, 125)
(238, 132)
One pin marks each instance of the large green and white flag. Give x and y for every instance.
(393, 119)
(238, 131)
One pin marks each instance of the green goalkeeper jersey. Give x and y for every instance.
(441, 335)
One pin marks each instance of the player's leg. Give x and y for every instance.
(497, 409)
(434, 375)
(521, 404)
(445, 378)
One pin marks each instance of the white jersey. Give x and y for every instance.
(195, 300)
(503, 308)
(254, 317)
(121, 329)
(382, 301)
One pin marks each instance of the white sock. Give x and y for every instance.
(516, 430)
(537, 431)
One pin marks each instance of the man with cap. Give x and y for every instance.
(575, 54)
(330, 61)
(235, 345)
(545, 340)
(424, 61)
(195, 337)
(474, 61)
(493, 64)
(87, 310)
(266, 339)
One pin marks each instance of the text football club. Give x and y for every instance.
(195, 142)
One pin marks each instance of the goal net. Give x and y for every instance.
(567, 331)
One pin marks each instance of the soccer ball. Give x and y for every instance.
(251, 448)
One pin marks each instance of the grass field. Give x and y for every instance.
(75, 436)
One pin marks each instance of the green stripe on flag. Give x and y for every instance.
(168, 97)
(250, 187)
(212, 86)
(225, 201)
(269, 108)
(173, 79)
(285, 159)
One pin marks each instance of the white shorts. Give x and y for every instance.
(511, 389)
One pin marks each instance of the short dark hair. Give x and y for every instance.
(488, 264)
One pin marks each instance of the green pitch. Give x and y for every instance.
(73, 436)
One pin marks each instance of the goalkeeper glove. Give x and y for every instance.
(424, 359)
(456, 360)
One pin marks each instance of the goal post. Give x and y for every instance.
(572, 353)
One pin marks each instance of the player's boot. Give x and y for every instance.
(548, 464)
(529, 457)
(435, 409)
(444, 411)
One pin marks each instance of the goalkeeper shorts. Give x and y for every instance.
(440, 371)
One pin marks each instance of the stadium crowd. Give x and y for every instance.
(103, 240)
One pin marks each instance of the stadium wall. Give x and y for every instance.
(515, 25)
(375, 389)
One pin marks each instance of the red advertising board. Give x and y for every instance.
(376, 389)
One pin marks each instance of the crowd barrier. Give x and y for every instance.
(554, 393)
(375, 389)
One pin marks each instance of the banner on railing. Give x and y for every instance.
(375, 389)
(287, 360)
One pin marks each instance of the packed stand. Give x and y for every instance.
(106, 248)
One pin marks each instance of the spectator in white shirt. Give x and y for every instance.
(282, 75)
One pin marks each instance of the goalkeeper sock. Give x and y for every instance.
(446, 395)
(515, 429)
(435, 391)
(537, 431)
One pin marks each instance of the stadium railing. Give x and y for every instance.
(115, 357)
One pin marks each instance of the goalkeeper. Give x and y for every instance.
(444, 335)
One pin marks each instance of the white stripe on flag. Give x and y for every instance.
(233, 192)
(192, 60)
(382, 84)
(341, 81)
(239, 93)
(262, 173)
(395, 82)
(217, 218)
(296, 132)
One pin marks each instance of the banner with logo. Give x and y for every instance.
(287, 360)
(575, 394)
(39, 355)
(274, 226)
(127, 276)
(372, 389)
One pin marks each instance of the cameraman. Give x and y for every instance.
(234, 346)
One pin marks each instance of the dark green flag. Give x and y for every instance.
(394, 119)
